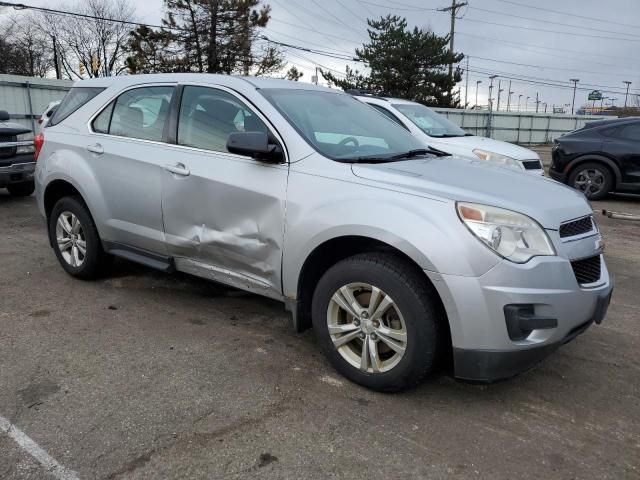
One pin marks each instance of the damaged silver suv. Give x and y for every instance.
(396, 255)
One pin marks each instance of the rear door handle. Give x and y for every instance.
(96, 148)
(178, 169)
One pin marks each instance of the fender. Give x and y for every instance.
(596, 158)
(398, 221)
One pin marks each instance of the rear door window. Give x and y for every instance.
(73, 100)
(630, 132)
(137, 113)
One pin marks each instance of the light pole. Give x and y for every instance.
(500, 90)
(491, 92)
(627, 83)
(519, 97)
(575, 85)
(509, 97)
(478, 82)
(525, 104)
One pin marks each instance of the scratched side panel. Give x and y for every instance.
(227, 213)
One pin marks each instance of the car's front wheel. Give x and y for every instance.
(377, 321)
(75, 238)
(593, 179)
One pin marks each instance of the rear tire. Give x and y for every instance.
(21, 189)
(402, 327)
(75, 239)
(593, 179)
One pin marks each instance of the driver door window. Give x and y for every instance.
(208, 116)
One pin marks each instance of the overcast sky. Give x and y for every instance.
(530, 39)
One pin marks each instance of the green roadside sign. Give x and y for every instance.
(595, 95)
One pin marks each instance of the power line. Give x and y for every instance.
(572, 34)
(570, 14)
(551, 22)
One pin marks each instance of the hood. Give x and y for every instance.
(463, 179)
(10, 128)
(491, 145)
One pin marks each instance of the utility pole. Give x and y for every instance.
(466, 88)
(316, 77)
(478, 82)
(537, 102)
(500, 90)
(626, 82)
(454, 11)
(56, 63)
(575, 85)
(509, 98)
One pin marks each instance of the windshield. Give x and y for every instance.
(339, 126)
(430, 122)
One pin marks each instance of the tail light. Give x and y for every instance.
(38, 141)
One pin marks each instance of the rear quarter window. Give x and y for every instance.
(73, 100)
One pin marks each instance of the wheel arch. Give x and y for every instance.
(335, 249)
(608, 162)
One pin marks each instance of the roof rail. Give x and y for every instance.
(367, 93)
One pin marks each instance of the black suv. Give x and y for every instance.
(601, 157)
(17, 160)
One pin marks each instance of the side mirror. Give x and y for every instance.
(4, 116)
(256, 145)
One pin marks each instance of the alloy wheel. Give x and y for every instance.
(71, 239)
(366, 327)
(590, 181)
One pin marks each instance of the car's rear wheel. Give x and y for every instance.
(75, 238)
(21, 189)
(593, 179)
(377, 321)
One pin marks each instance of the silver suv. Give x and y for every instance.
(397, 255)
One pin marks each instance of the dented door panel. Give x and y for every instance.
(226, 217)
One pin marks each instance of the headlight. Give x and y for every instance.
(25, 149)
(511, 235)
(497, 158)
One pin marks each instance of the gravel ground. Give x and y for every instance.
(144, 375)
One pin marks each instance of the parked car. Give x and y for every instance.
(437, 131)
(395, 254)
(46, 115)
(17, 163)
(601, 157)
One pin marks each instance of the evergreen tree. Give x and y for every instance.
(214, 36)
(411, 64)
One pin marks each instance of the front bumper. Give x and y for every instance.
(559, 176)
(483, 347)
(20, 171)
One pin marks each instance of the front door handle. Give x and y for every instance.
(178, 169)
(96, 148)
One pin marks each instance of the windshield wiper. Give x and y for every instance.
(419, 152)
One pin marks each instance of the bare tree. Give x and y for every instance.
(25, 50)
(95, 45)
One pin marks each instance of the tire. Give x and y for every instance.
(21, 189)
(593, 179)
(88, 265)
(413, 312)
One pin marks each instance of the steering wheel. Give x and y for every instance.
(347, 140)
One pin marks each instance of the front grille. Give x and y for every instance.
(587, 270)
(532, 164)
(576, 227)
(8, 152)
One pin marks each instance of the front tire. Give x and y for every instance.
(593, 179)
(21, 189)
(377, 322)
(75, 239)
